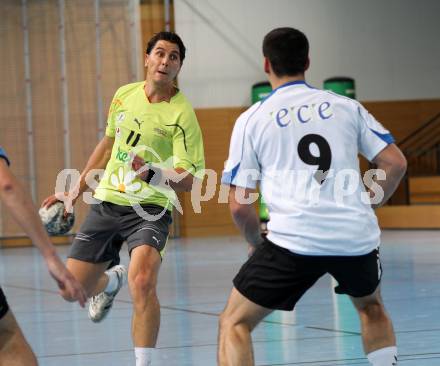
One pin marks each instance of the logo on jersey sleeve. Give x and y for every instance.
(120, 117)
(116, 103)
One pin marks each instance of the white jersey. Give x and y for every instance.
(285, 143)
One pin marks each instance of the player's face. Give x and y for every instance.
(163, 62)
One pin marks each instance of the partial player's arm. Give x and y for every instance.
(19, 204)
(178, 179)
(245, 216)
(392, 161)
(181, 185)
(242, 173)
(98, 160)
(377, 145)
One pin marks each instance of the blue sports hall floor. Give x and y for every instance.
(194, 283)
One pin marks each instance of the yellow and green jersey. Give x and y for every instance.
(165, 134)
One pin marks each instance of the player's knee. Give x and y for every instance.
(228, 323)
(142, 284)
(225, 322)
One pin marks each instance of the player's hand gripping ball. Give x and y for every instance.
(54, 221)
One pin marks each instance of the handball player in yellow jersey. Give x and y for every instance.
(149, 122)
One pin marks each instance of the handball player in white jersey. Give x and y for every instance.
(301, 146)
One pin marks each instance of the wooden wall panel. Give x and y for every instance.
(13, 133)
(116, 51)
(153, 19)
(403, 117)
(116, 70)
(214, 219)
(82, 85)
(47, 114)
(45, 69)
(409, 217)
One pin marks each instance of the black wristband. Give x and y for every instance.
(150, 175)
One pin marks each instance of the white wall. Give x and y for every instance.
(390, 47)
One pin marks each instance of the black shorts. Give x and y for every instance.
(276, 278)
(108, 225)
(4, 307)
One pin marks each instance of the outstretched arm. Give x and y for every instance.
(19, 204)
(98, 160)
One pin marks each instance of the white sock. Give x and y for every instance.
(143, 356)
(112, 284)
(383, 357)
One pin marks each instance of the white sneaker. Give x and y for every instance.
(101, 304)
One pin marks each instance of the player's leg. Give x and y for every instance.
(91, 276)
(142, 280)
(236, 323)
(150, 237)
(272, 278)
(146, 239)
(94, 248)
(378, 336)
(359, 277)
(14, 349)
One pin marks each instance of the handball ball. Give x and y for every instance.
(54, 221)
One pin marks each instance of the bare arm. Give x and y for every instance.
(393, 163)
(245, 217)
(178, 179)
(19, 204)
(98, 160)
(181, 185)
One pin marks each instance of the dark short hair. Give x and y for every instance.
(169, 37)
(287, 50)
